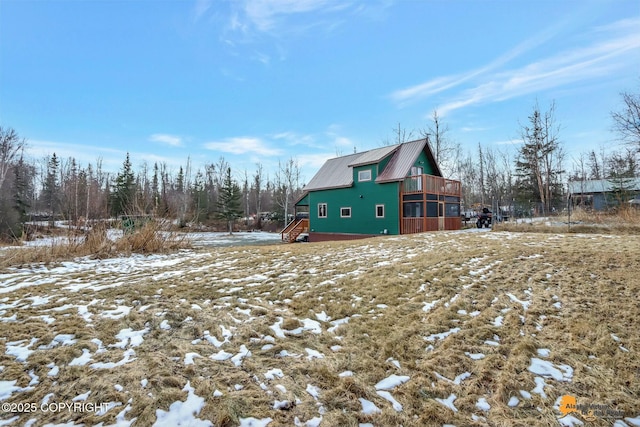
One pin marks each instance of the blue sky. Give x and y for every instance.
(266, 80)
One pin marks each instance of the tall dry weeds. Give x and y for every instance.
(151, 238)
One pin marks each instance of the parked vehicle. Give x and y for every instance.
(484, 218)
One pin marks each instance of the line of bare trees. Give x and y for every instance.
(55, 188)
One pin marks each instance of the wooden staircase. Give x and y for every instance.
(294, 229)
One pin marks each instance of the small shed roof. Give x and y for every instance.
(591, 186)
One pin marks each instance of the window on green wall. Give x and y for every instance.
(345, 212)
(379, 211)
(322, 210)
(364, 175)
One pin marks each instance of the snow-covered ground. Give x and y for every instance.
(111, 318)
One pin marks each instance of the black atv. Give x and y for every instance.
(484, 218)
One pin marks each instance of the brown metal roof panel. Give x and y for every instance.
(401, 162)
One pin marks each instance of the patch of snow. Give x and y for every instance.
(345, 374)
(387, 396)
(165, 325)
(272, 374)
(448, 402)
(391, 382)
(183, 413)
(513, 402)
(130, 337)
(83, 359)
(483, 405)
(442, 335)
(635, 421)
(244, 352)
(313, 391)
(313, 354)
(540, 384)
(368, 407)
(475, 356)
(188, 358)
(543, 352)
(549, 370)
(221, 355)
(525, 304)
(336, 323)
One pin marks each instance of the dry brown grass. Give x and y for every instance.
(623, 222)
(382, 286)
(94, 243)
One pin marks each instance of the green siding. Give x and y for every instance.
(423, 162)
(304, 201)
(363, 210)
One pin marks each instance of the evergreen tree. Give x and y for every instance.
(122, 196)
(229, 201)
(539, 164)
(52, 187)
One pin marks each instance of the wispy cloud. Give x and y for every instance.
(201, 7)
(616, 46)
(172, 140)
(279, 18)
(264, 14)
(243, 145)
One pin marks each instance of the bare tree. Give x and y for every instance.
(626, 122)
(257, 188)
(10, 148)
(287, 185)
(443, 148)
(400, 135)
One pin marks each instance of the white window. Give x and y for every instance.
(364, 175)
(345, 212)
(322, 210)
(379, 211)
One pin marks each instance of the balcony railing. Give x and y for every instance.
(431, 184)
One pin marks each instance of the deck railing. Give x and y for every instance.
(431, 184)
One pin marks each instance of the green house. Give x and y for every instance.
(397, 189)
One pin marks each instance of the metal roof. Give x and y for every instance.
(338, 172)
(334, 173)
(374, 156)
(603, 185)
(402, 160)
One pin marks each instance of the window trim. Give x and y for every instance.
(380, 206)
(341, 212)
(326, 211)
(360, 173)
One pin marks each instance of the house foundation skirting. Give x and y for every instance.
(326, 237)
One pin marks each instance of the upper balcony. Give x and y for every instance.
(431, 184)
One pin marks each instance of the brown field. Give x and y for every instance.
(468, 317)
